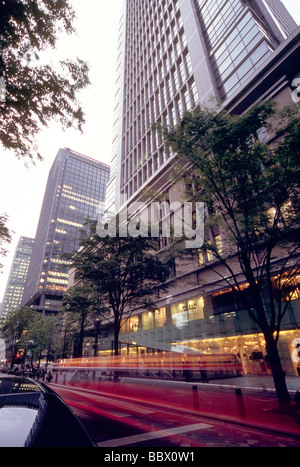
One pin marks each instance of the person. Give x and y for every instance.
(49, 377)
(204, 377)
(187, 374)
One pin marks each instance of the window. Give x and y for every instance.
(218, 243)
(160, 317)
(289, 287)
(209, 252)
(194, 92)
(200, 257)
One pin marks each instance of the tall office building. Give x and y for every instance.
(174, 54)
(17, 278)
(75, 190)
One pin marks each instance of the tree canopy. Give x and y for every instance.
(80, 306)
(122, 274)
(5, 235)
(246, 171)
(28, 330)
(35, 92)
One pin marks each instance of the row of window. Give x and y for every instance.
(156, 93)
(177, 314)
(237, 41)
(224, 303)
(146, 156)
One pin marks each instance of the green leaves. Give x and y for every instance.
(5, 235)
(123, 274)
(233, 170)
(250, 186)
(29, 329)
(36, 93)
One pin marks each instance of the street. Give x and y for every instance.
(145, 414)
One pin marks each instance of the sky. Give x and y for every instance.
(22, 188)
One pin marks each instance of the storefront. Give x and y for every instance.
(210, 325)
(251, 351)
(186, 311)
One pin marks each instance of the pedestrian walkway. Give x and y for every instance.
(257, 382)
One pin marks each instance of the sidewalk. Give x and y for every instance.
(257, 382)
(257, 406)
(262, 383)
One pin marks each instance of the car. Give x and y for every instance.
(33, 415)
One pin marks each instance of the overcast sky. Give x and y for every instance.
(22, 189)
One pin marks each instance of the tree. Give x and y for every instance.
(5, 235)
(14, 329)
(79, 302)
(35, 93)
(250, 186)
(124, 273)
(41, 337)
(28, 330)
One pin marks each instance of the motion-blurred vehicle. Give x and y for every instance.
(32, 415)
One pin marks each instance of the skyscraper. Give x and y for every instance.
(174, 54)
(17, 277)
(75, 190)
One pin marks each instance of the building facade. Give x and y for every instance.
(17, 278)
(175, 55)
(75, 193)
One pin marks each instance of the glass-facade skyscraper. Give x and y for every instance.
(17, 278)
(75, 192)
(173, 55)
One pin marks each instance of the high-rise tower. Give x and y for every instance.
(75, 190)
(17, 277)
(174, 54)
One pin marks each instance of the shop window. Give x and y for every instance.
(289, 288)
(129, 325)
(223, 303)
(179, 315)
(160, 317)
(148, 320)
(196, 309)
(134, 324)
(186, 311)
(156, 319)
(229, 301)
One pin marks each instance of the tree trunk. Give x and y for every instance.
(277, 371)
(81, 335)
(77, 347)
(116, 341)
(116, 348)
(271, 347)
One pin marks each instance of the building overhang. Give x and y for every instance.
(33, 299)
(278, 70)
